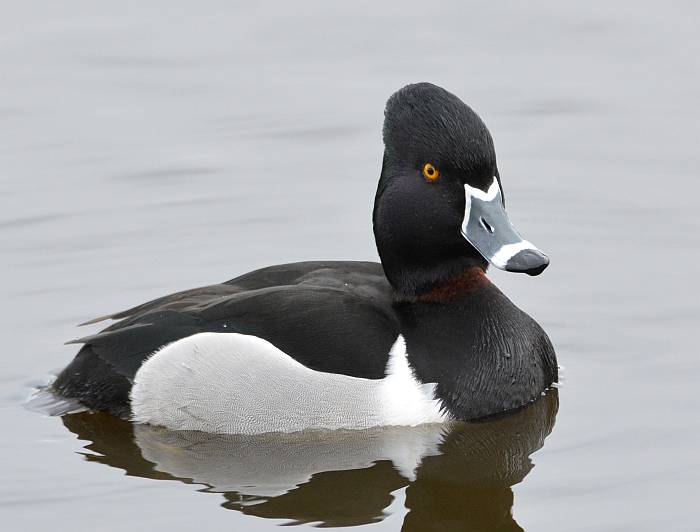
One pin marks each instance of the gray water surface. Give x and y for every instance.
(151, 147)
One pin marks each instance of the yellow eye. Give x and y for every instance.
(430, 172)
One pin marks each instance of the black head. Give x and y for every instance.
(436, 211)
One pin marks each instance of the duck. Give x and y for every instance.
(421, 337)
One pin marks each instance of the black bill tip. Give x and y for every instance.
(529, 261)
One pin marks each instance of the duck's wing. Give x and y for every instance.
(330, 316)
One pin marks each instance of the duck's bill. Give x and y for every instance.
(486, 227)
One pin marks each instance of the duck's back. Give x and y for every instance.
(333, 317)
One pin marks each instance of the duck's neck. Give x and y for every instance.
(459, 286)
(446, 281)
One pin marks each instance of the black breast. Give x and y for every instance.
(486, 355)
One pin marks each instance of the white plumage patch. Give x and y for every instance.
(406, 401)
(236, 383)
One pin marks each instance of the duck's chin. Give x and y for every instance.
(418, 282)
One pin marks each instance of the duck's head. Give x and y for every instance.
(439, 208)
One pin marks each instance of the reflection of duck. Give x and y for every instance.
(419, 338)
(457, 476)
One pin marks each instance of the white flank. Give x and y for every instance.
(236, 383)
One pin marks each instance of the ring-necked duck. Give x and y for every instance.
(422, 337)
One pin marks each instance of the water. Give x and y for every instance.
(150, 148)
